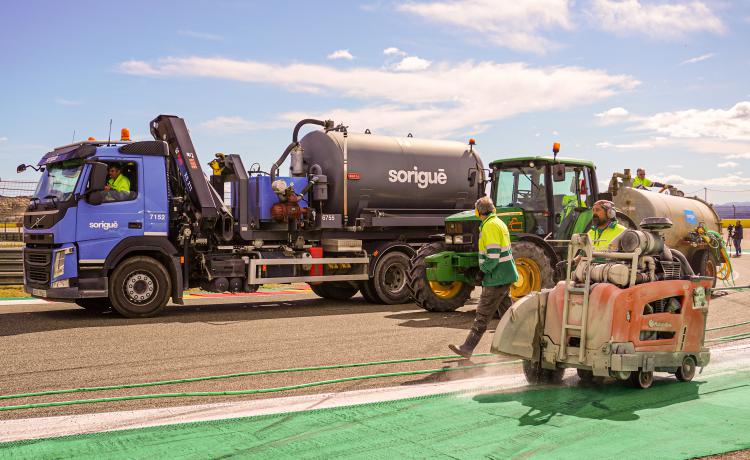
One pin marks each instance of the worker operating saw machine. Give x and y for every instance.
(623, 314)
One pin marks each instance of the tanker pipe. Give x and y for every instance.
(327, 124)
(683, 260)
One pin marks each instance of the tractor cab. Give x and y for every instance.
(542, 196)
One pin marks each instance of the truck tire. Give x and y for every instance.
(535, 270)
(432, 295)
(705, 263)
(99, 304)
(368, 292)
(390, 280)
(139, 287)
(334, 290)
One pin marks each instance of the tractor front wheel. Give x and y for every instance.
(434, 295)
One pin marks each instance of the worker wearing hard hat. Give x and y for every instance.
(643, 183)
(604, 225)
(498, 272)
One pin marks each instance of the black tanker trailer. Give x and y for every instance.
(352, 211)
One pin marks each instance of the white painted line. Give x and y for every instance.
(45, 427)
(723, 360)
(31, 301)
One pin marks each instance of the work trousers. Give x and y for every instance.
(738, 246)
(492, 299)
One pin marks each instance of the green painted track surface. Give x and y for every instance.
(670, 420)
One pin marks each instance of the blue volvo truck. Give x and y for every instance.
(353, 209)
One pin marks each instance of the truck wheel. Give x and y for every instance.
(368, 292)
(390, 278)
(686, 372)
(139, 287)
(99, 304)
(705, 263)
(534, 267)
(641, 379)
(334, 290)
(433, 295)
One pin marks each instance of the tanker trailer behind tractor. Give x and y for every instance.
(544, 201)
(348, 217)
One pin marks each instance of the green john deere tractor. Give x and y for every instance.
(542, 200)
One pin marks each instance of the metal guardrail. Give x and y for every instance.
(11, 266)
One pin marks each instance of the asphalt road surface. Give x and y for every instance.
(57, 345)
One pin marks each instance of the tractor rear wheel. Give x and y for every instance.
(434, 295)
(534, 266)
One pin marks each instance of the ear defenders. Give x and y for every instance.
(609, 207)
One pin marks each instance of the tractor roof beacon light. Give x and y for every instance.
(555, 150)
(125, 135)
(472, 143)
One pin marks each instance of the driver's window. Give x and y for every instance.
(572, 192)
(122, 182)
(530, 189)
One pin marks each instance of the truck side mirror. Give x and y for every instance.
(97, 182)
(558, 173)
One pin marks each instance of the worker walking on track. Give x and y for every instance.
(497, 270)
(604, 225)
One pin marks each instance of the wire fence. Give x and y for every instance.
(14, 198)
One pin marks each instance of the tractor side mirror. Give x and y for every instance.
(558, 173)
(21, 168)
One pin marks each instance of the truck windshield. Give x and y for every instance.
(59, 180)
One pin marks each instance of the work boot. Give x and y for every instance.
(467, 349)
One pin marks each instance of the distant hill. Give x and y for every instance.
(736, 203)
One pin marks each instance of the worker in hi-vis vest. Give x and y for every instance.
(497, 271)
(643, 183)
(604, 225)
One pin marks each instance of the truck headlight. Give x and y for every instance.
(59, 262)
(458, 239)
(448, 239)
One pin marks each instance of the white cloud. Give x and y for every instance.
(67, 102)
(730, 180)
(200, 35)
(446, 98)
(657, 20)
(237, 124)
(700, 58)
(675, 166)
(613, 115)
(737, 156)
(411, 64)
(3, 139)
(732, 124)
(515, 25)
(728, 164)
(341, 54)
(634, 145)
(390, 51)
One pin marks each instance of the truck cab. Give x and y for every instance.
(78, 226)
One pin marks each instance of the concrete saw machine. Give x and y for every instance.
(624, 313)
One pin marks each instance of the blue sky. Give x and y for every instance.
(662, 85)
